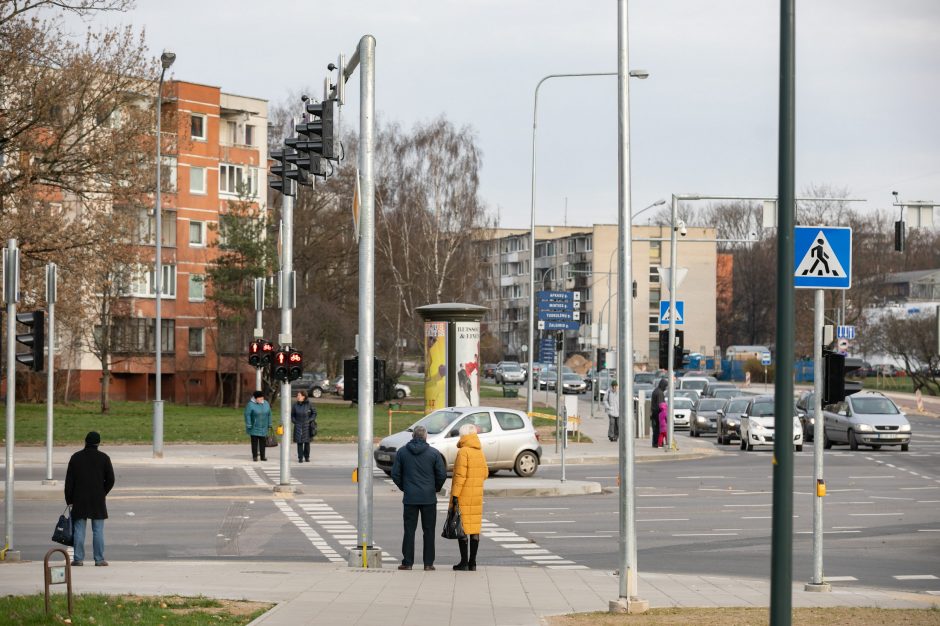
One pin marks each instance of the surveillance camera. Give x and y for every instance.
(304, 98)
(680, 227)
(331, 67)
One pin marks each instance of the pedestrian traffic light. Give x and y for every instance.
(295, 364)
(663, 349)
(323, 129)
(678, 354)
(601, 359)
(279, 170)
(280, 366)
(351, 380)
(678, 359)
(254, 353)
(833, 378)
(267, 351)
(899, 236)
(34, 339)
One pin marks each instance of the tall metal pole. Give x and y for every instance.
(673, 270)
(11, 295)
(627, 600)
(366, 54)
(285, 339)
(559, 363)
(51, 271)
(166, 61)
(817, 583)
(781, 558)
(259, 322)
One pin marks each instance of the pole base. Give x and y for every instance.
(632, 606)
(12, 556)
(50, 481)
(373, 558)
(283, 489)
(818, 587)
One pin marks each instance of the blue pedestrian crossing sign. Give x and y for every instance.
(823, 257)
(664, 312)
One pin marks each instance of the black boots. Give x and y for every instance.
(462, 566)
(474, 545)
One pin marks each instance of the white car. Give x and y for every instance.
(402, 391)
(757, 425)
(682, 412)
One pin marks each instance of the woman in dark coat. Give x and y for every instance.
(303, 416)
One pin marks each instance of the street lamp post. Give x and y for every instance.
(641, 74)
(166, 60)
(676, 225)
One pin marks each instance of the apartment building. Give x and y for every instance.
(214, 152)
(584, 259)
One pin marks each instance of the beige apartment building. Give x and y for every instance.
(584, 259)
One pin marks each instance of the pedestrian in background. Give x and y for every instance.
(612, 407)
(466, 491)
(419, 471)
(303, 415)
(88, 480)
(257, 423)
(659, 397)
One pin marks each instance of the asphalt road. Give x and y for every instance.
(712, 515)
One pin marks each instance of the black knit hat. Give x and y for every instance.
(92, 439)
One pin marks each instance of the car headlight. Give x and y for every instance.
(864, 427)
(905, 428)
(757, 428)
(699, 418)
(812, 420)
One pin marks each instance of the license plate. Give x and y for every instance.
(384, 457)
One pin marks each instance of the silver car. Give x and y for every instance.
(510, 373)
(867, 418)
(705, 416)
(507, 438)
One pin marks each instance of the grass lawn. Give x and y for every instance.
(104, 610)
(131, 422)
(837, 616)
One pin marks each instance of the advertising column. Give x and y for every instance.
(467, 348)
(435, 359)
(451, 354)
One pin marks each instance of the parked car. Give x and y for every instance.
(572, 383)
(337, 387)
(682, 413)
(646, 377)
(758, 422)
(489, 370)
(704, 418)
(713, 386)
(507, 438)
(510, 373)
(729, 419)
(805, 409)
(314, 383)
(402, 390)
(868, 418)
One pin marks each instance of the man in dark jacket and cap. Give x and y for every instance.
(659, 396)
(419, 471)
(88, 480)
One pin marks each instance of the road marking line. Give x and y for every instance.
(928, 502)
(915, 577)
(665, 519)
(540, 508)
(757, 517)
(928, 530)
(566, 566)
(743, 505)
(874, 514)
(542, 557)
(889, 498)
(839, 579)
(578, 537)
(723, 529)
(701, 477)
(663, 495)
(552, 521)
(705, 534)
(655, 507)
(846, 527)
(828, 532)
(543, 532)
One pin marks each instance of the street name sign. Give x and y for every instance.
(559, 325)
(822, 257)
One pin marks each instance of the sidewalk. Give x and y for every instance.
(319, 593)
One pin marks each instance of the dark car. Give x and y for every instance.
(314, 383)
(805, 410)
(729, 419)
(489, 370)
(704, 417)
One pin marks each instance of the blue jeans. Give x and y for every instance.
(97, 540)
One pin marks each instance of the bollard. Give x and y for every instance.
(57, 575)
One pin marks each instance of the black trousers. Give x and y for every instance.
(428, 514)
(655, 424)
(303, 450)
(257, 446)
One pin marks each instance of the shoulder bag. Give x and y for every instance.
(63, 528)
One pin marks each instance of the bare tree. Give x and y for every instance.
(911, 340)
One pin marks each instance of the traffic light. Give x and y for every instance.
(279, 366)
(323, 130)
(899, 236)
(678, 359)
(601, 359)
(851, 365)
(351, 380)
(35, 339)
(663, 349)
(835, 369)
(295, 363)
(254, 353)
(678, 353)
(307, 158)
(292, 159)
(280, 169)
(267, 351)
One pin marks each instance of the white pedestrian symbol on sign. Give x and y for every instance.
(820, 260)
(667, 315)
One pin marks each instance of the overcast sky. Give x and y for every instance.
(868, 88)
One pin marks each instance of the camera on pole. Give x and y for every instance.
(35, 339)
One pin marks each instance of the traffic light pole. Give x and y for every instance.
(284, 339)
(673, 271)
(817, 583)
(51, 272)
(11, 288)
(259, 321)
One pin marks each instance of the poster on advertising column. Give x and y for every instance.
(468, 363)
(435, 362)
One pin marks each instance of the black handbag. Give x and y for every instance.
(270, 441)
(453, 525)
(63, 528)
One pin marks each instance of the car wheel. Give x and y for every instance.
(399, 393)
(905, 447)
(747, 444)
(316, 392)
(853, 444)
(526, 464)
(799, 447)
(827, 442)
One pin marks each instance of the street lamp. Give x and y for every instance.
(166, 60)
(640, 74)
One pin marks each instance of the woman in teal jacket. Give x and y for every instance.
(257, 423)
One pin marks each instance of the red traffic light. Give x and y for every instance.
(296, 357)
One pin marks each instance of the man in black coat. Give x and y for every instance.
(419, 471)
(88, 480)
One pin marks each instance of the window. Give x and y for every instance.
(509, 421)
(197, 340)
(143, 283)
(197, 125)
(238, 180)
(249, 135)
(656, 250)
(197, 234)
(654, 322)
(138, 335)
(197, 180)
(481, 420)
(232, 132)
(147, 228)
(197, 287)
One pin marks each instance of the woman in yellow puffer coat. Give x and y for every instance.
(467, 491)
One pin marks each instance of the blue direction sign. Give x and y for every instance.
(559, 295)
(822, 257)
(555, 325)
(559, 315)
(765, 358)
(664, 312)
(561, 305)
(845, 332)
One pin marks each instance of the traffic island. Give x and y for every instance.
(542, 487)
